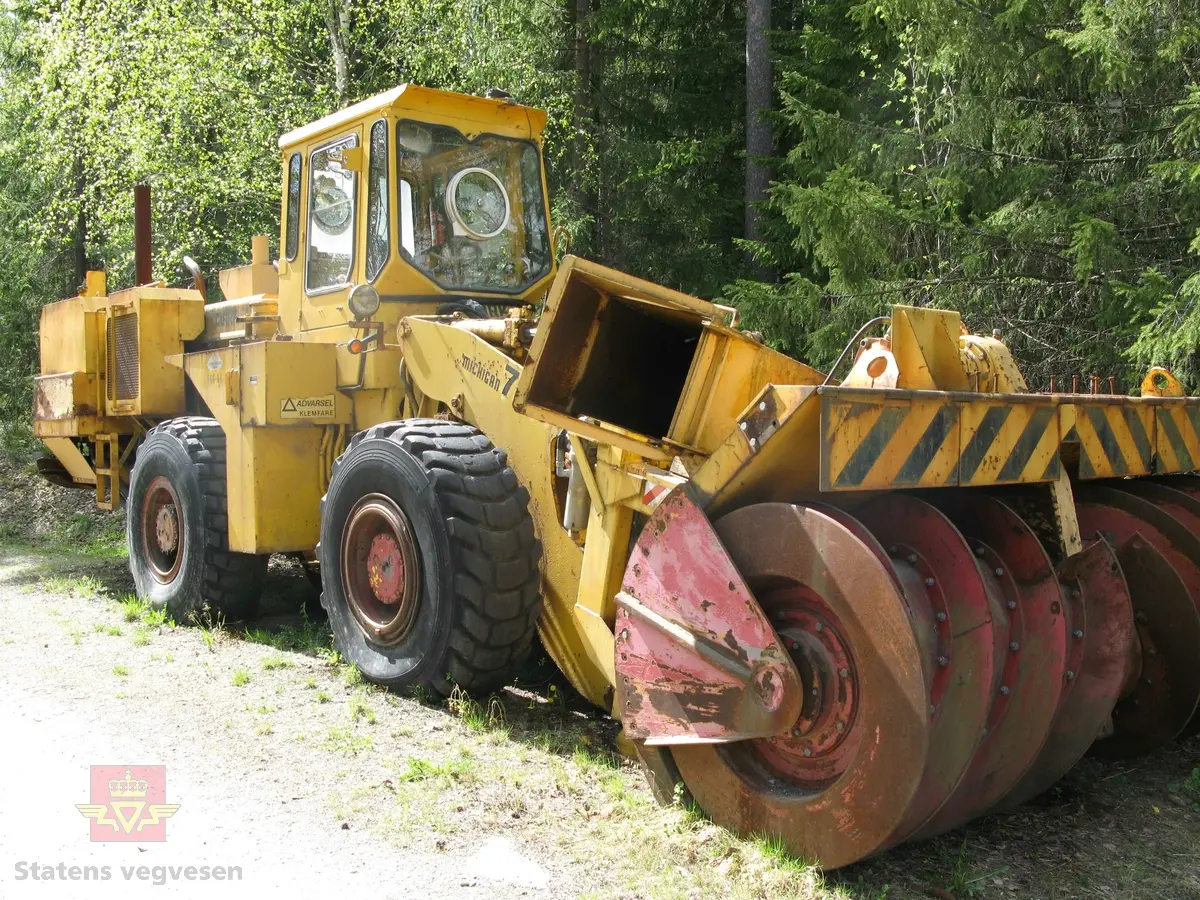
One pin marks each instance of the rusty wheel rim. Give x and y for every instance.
(840, 801)
(163, 535)
(381, 569)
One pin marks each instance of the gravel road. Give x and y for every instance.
(244, 802)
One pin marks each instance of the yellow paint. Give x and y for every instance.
(1159, 382)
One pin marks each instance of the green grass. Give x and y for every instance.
(359, 709)
(263, 728)
(344, 740)
(310, 683)
(113, 630)
(323, 697)
(84, 586)
(276, 661)
(120, 671)
(477, 717)
(312, 638)
(240, 677)
(141, 636)
(454, 768)
(1188, 790)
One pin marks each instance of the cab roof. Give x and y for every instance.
(471, 114)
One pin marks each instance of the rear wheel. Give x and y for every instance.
(429, 560)
(177, 525)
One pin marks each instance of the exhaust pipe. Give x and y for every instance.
(142, 247)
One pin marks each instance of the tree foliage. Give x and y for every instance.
(1033, 163)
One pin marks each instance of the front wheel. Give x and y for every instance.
(177, 526)
(428, 558)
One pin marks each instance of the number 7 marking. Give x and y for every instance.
(512, 372)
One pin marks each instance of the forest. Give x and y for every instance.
(1034, 164)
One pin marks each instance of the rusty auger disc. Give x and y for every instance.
(1029, 625)
(838, 784)
(1100, 645)
(953, 620)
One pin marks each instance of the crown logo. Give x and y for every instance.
(127, 786)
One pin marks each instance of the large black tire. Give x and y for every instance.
(183, 461)
(477, 596)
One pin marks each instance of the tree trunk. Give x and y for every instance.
(758, 103)
(581, 190)
(79, 231)
(337, 20)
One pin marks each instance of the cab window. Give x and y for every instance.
(378, 232)
(332, 191)
(292, 241)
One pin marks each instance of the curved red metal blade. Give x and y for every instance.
(1101, 644)
(923, 547)
(1031, 627)
(696, 659)
(1156, 707)
(1179, 498)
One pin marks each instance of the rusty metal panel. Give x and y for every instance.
(65, 396)
(876, 440)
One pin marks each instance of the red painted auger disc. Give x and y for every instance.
(838, 785)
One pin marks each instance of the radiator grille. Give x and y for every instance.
(123, 357)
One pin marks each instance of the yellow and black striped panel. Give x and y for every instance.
(1008, 443)
(1115, 439)
(871, 440)
(877, 442)
(1176, 437)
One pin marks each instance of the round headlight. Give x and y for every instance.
(363, 300)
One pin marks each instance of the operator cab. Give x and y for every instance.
(423, 194)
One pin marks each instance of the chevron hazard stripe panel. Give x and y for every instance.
(1177, 438)
(874, 440)
(1115, 439)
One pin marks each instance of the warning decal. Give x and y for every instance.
(307, 407)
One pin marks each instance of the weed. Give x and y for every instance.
(120, 671)
(141, 637)
(322, 697)
(114, 630)
(276, 661)
(241, 677)
(360, 710)
(453, 769)
(310, 682)
(156, 618)
(475, 716)
(345, 741)
(264, 710)
(212, 631)
(170, 657)
(264, 728)
(98, 627)
(121, 695)
(351, 675)
(132, 608)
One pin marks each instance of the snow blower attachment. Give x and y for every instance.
(850, 613)
(877, 610)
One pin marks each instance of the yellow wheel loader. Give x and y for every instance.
(846, 610)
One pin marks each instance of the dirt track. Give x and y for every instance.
(246, 799)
